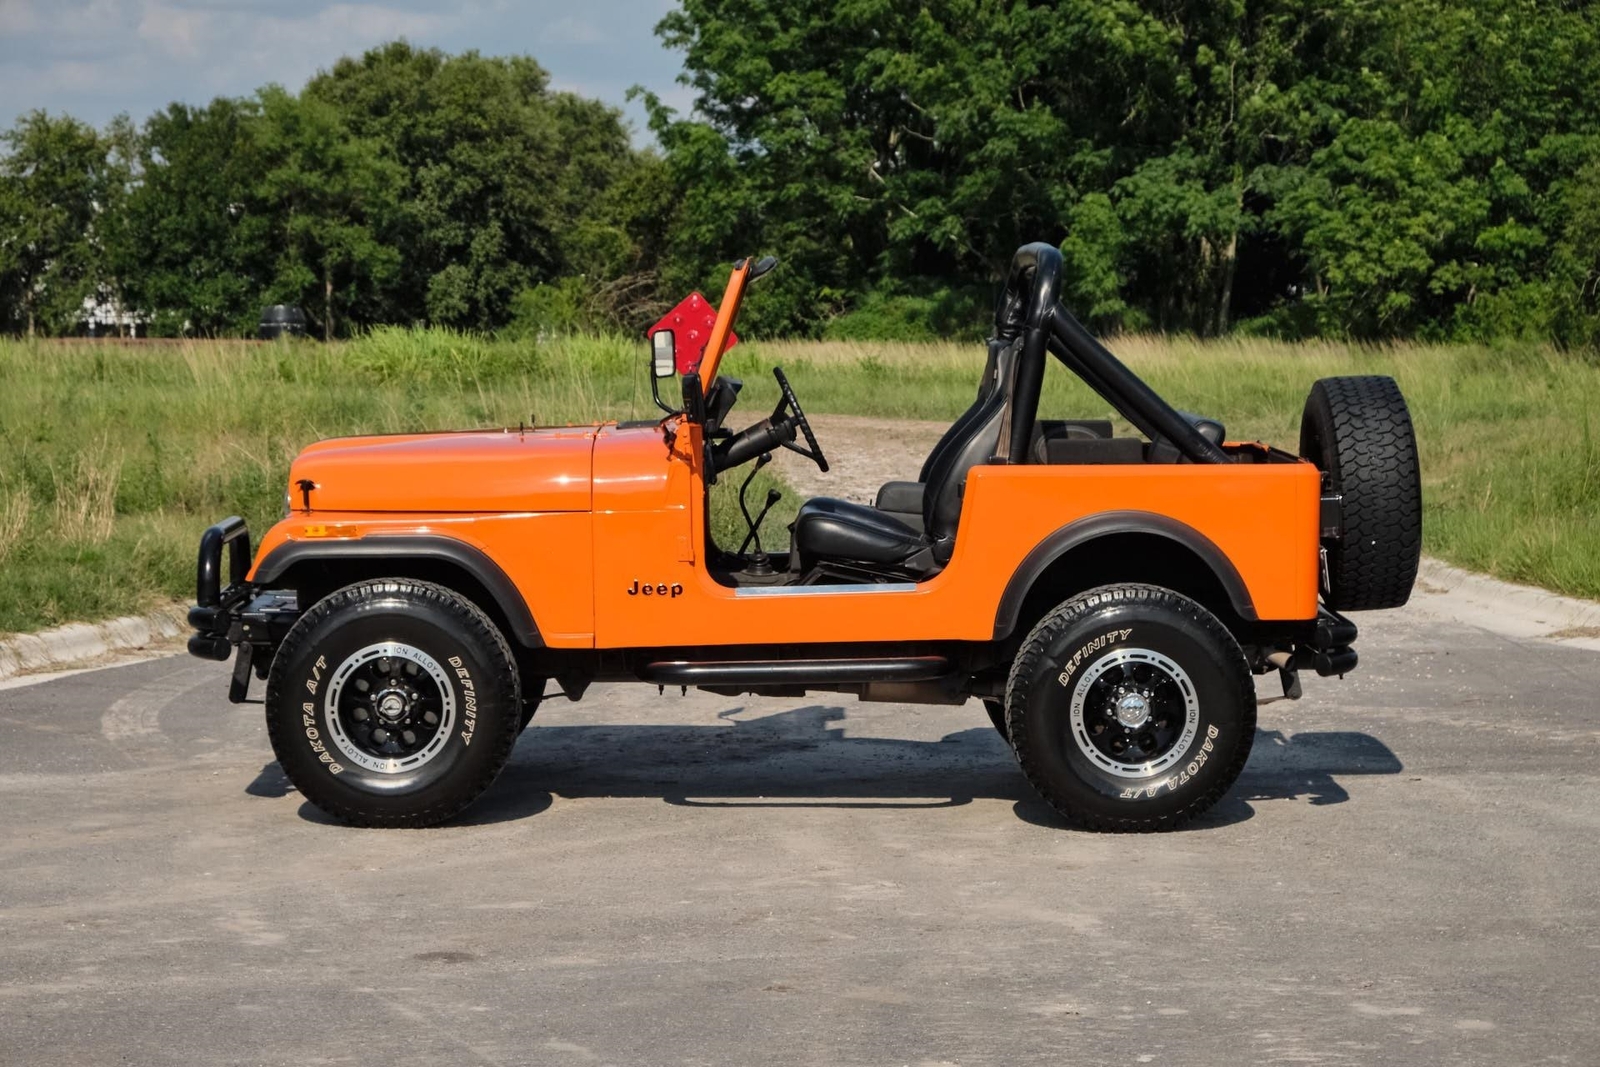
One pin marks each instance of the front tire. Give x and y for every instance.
(393, 703)
(1130, 708)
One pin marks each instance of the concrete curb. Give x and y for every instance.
(1516, 611)
(87, 641)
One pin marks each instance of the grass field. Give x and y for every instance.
(113, 458)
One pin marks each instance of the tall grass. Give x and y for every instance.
(15, 509)
(85, 495)
(112, 458)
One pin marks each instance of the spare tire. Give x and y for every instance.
(1358, 433)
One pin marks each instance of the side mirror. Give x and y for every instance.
(663, 365)
(663, 354)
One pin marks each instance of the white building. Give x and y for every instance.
(102, 316)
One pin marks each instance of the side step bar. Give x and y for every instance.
(796, 671)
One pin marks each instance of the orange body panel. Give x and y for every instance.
(546, 555)
(584, 573)
(495, 471)
(1262, 517)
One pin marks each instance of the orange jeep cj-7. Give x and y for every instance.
(1107, 598)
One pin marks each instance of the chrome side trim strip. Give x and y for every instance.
(823, 590)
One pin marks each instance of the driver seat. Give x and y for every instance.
(832, 531)
(905, 498)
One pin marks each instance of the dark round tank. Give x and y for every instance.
(282, 320)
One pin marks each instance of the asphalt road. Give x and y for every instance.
(1406, 874)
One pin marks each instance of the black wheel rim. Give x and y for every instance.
(390, 708)
(1134, 713)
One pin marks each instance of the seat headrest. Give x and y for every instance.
(1210, 429)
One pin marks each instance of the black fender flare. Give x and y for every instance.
(412, 546)
(1111, 523)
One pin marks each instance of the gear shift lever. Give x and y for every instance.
(759, 562)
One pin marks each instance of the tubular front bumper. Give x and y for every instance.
(213, 615)
(236, 615)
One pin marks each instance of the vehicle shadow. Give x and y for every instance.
(270, 782)
(803, 758)
(1281, 767)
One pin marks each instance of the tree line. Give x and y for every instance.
(1411, 168)
(405, 186)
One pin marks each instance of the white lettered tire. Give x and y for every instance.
(1130, 708)
(393, 703)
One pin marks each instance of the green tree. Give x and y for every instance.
(330, 195)
(1379, 214)
(402, 186)
(54, 178)
(194, 246)
(501, 179)
(1570, 299)
(881, 144)
(1432, 206)
(124, 145)
(1376, 169)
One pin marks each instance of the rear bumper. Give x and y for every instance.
(238, 614)
(1330, 649)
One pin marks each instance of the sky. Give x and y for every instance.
(97, 58)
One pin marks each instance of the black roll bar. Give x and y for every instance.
(1033, 289)
(1125, 390)
(1031, 308)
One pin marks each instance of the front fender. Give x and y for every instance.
(399, 548)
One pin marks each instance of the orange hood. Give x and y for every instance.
(477, 472)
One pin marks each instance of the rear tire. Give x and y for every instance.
(1358, 432)
(1130, 708)
(393, 703)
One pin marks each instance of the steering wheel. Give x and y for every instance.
(814, 452)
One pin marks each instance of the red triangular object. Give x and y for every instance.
(690, 323)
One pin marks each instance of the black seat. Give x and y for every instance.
(904, 499)
(827, 530)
